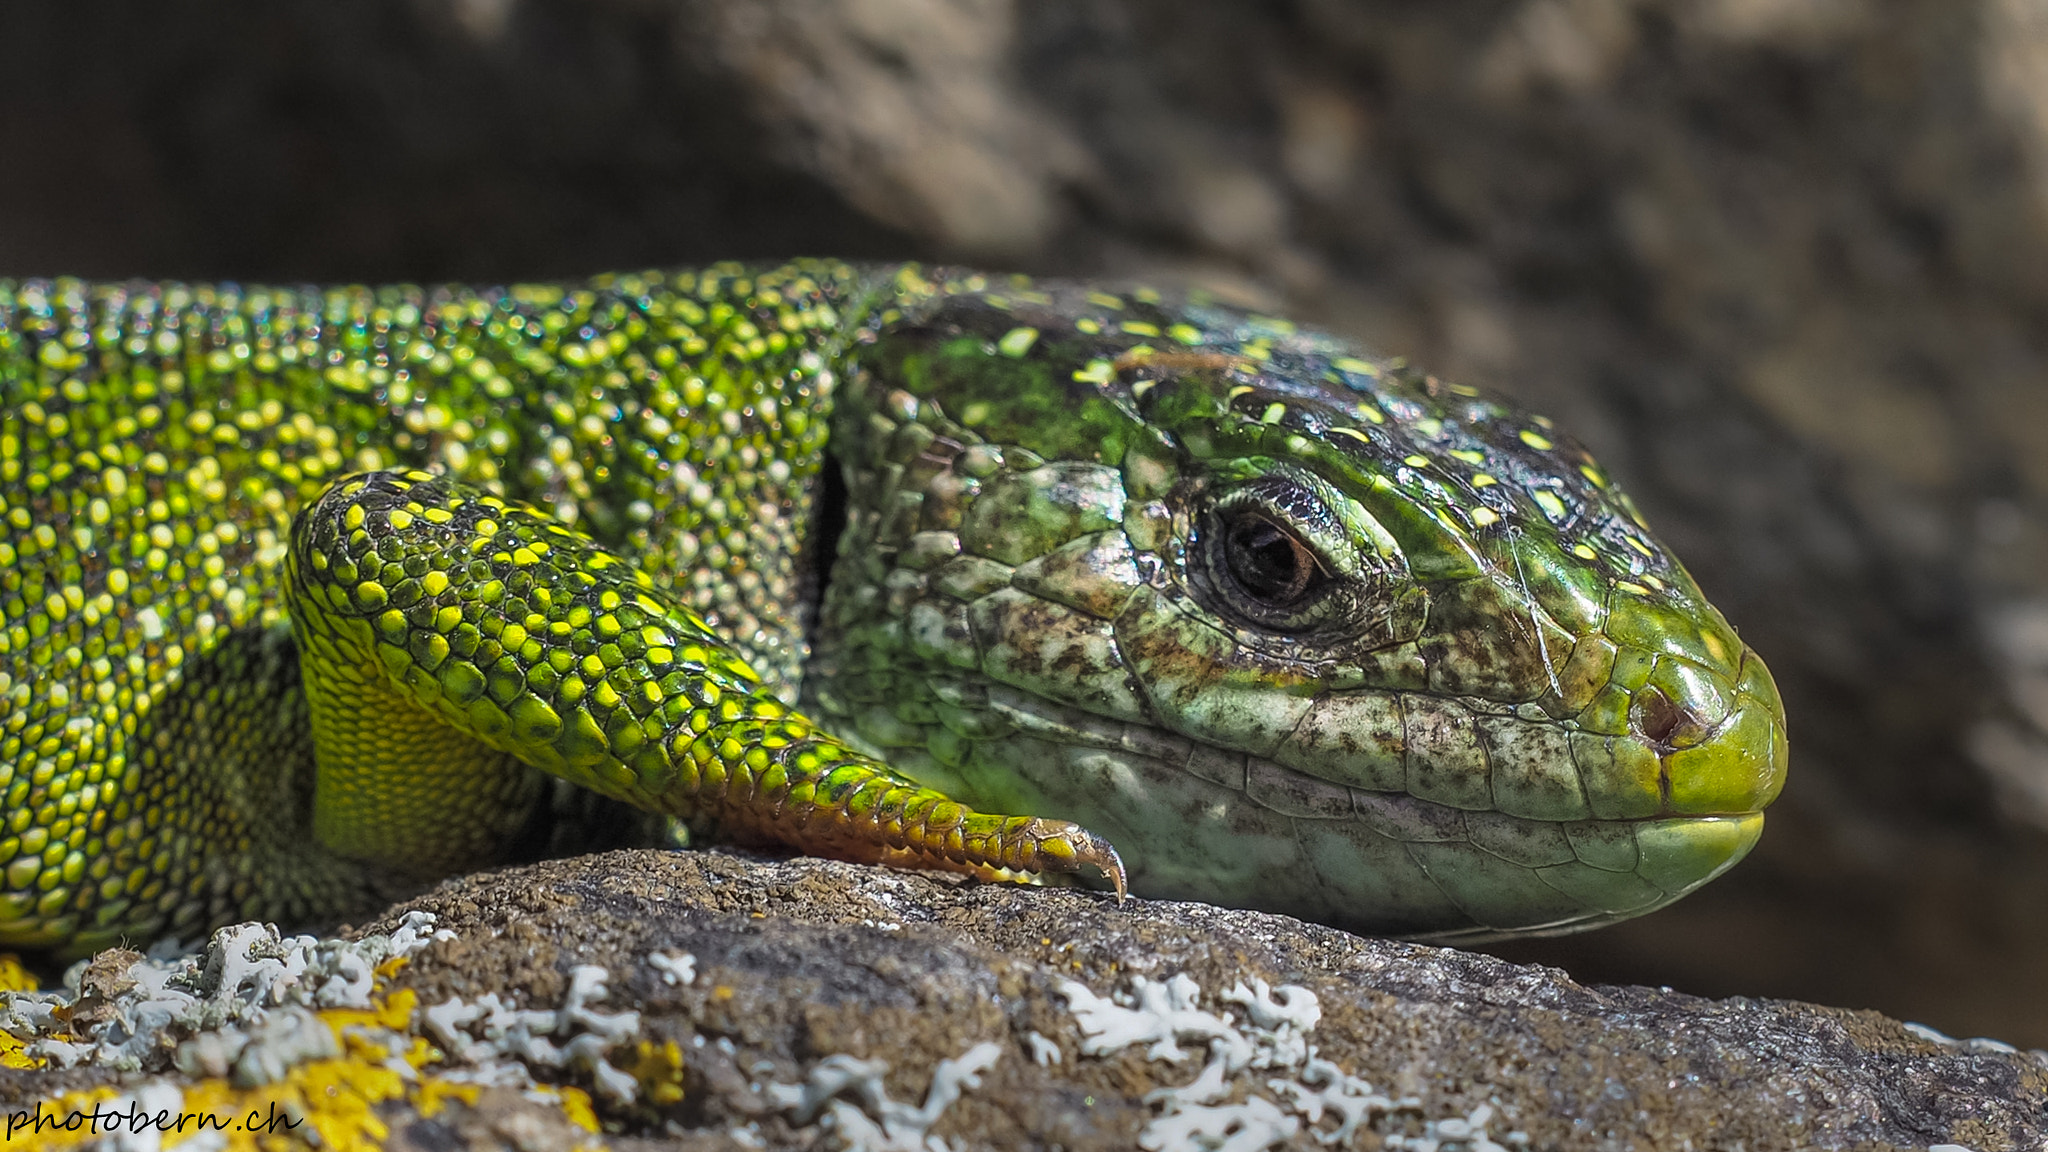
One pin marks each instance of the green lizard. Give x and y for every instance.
(310, 597)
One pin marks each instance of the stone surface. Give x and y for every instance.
(799, 964)
(1781, 262)
(802, 959)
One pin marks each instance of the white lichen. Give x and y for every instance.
(1160, 1014)
(1313, 1095)
(287, 1038)
(1044, 1052)
(501, 1041)
(218, 1004)
(675, 967)
(880, 1124)
(1255, 1124)
(1324, 1089)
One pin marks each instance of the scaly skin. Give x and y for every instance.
(309, 597)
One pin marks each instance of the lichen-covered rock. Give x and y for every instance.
(798, 961)
(720, 1000)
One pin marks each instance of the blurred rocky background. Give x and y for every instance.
(1784, 263)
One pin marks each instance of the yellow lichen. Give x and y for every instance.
(575, 1106)
(339, 1095)
(659, 1069)
(13, 976)
(329, 1104)
(393, 1012)
(434, 1094)
(11, 1054)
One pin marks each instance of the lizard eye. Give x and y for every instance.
(1264, 553)
(1268, 563)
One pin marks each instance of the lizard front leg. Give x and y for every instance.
(448, 638)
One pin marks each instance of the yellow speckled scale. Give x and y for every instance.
(155, 443)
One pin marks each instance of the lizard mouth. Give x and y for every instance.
(1672, 857)
(1708, 756)
(1197, 821)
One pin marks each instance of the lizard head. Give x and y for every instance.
(1296, 628)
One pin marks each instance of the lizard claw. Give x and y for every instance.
(1068, 848)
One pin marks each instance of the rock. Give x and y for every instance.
(800, 993)
(799, 960)
(710, 999)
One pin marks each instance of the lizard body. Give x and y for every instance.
(310, 596)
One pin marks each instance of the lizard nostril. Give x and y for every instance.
(1665, 722)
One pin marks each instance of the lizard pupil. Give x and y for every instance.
(1268, 562)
